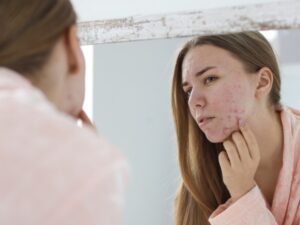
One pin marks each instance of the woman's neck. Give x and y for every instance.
(269, 133)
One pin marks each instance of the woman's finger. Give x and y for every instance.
(224, 162)
(84, 117)
(86, 120)
(251, 142)
(242, 146)
(232, 153)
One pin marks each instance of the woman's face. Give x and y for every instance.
(221, 94)
(76, 89)
(64, 77)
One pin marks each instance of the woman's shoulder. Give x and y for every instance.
(36, 139)
(45, 155)
(29, 120)
(291, 124)
(291, 115)
(294, 111)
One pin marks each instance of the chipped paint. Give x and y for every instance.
(278, 15)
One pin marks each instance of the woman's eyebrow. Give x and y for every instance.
(199, 74)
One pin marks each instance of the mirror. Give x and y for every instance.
(266, 16)
(93, 10)
(132, 92)
(132, 109)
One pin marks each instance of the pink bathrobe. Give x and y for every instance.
(252, 209)
(53, 172)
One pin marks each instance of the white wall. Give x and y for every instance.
(101, 9)
(288, 50)
(290, 74)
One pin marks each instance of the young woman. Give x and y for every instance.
(51, 170)
(238, 146)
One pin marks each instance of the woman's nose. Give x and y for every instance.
(196, 100)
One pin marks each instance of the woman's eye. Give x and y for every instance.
(188, 93)
(210, 79)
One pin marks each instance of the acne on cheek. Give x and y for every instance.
(237, 112)
(234, 119)
(230, 101)
(237, 115)
(234, 100)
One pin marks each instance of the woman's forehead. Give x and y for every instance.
(208, 56)
(206, 53)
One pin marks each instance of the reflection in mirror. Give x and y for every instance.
(132, 108)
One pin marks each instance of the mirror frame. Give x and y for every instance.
(266, 16)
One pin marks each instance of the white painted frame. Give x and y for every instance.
(279, 15)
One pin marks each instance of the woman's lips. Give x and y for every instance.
(204, 121)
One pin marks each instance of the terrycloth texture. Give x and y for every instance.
(53, 172)
(252, 209)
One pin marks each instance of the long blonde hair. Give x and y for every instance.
(202, 189)
(29, 31)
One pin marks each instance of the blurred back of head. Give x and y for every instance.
(29, 31)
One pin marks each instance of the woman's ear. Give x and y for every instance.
(74, 53)
(264, 82)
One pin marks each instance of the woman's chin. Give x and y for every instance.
(217, 138)
(220, 137)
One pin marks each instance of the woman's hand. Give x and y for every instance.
(239, 162)
(83, 117)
